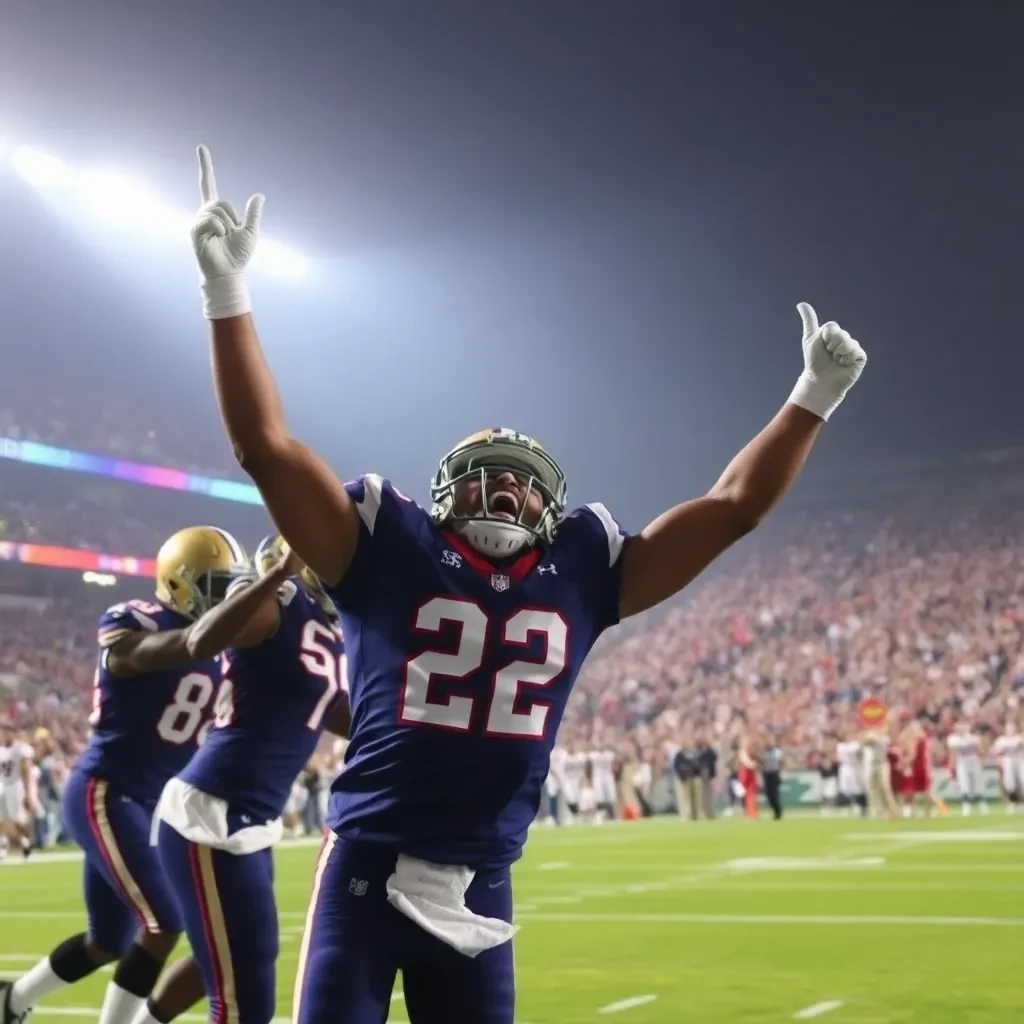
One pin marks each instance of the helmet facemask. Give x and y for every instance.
(202, 591)
(481, 459)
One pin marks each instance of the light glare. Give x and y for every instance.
(126, 202)
(41, 170)
(278, 259)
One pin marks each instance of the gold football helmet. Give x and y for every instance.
(491, 451)
(194, 568)
(271, 550)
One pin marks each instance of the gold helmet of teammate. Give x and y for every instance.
(194, 568)
(272, 549)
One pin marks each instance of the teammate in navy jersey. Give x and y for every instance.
(219, 816)
(155, 683)
(466, 626)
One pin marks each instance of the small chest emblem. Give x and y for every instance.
(545, 569)
(452, 558)
(500, 581)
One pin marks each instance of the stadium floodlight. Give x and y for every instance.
(278, 259)
(41, 170)
(124, 201)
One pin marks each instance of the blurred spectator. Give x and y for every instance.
(913, 599)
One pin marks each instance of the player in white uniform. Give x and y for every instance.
(554, 787)
(602, 769)
(572, 778)
(851, 775)
(965, 750)
(17, 792)
(587, 803)
(1009, 749)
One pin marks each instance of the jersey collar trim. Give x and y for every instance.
(516, 570)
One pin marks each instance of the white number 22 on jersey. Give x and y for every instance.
(456, 712)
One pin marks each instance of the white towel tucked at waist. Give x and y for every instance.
(434, 896)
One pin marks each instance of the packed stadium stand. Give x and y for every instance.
(907, 583)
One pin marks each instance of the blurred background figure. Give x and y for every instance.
(771, 760)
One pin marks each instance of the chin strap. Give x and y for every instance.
(495, 539)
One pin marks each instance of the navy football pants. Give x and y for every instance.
(231, 921)
(356, 942)
(125, 889)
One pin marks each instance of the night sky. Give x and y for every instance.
(587, 220)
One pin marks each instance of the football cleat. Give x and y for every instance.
(7, 1015)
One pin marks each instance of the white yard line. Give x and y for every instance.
(92, 1011)
(627, 1004)
(553, 865)
(943, 921)
(817, 1009)
(939, 836)
(68, 856)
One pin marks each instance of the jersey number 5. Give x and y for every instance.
(504, 718)
(317, 656)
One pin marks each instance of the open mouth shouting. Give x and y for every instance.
(503, 505)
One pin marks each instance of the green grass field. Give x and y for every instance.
(839, 920)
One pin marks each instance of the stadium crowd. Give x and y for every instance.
(917, 602)
(40, 405)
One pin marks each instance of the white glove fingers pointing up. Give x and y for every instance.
(254, 211)
(207, 179)
(809, 318)
(224, 244)
(833, 362)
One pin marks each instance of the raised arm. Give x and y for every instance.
(240, 619)
(683, 541)
(138, 653)
(247, 616)
(305, 499)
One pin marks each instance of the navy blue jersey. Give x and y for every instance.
(145, 728)
(270, 709)
(459, 672)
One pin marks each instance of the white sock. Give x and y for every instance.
(120, 1006)
(34, 985)
(144, 1016)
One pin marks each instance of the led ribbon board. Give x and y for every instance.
(36, 454)
(54, 557)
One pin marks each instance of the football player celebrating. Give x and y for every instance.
(466, 627)
(153, 690)
(218, 818)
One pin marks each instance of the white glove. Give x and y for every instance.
(223, 245)
(832, 363)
